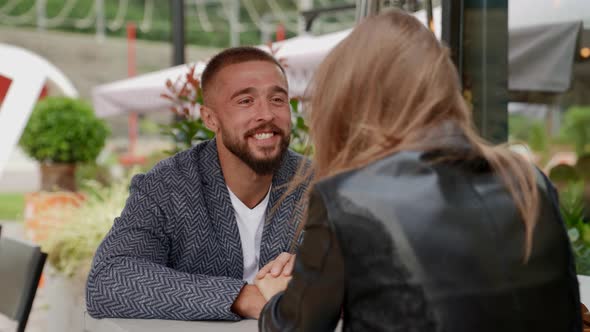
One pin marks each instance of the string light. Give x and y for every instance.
(63, 17)
(25, 17)
(60, 18)
(87, 21)
(119, 19)
(148, 13)
(9, 6)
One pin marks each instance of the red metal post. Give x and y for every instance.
(131, 158)
(131, 71)
(280, 34)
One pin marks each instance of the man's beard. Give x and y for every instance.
(240, 148)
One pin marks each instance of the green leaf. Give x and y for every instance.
(573, 234)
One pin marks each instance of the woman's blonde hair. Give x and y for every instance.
(383, 89)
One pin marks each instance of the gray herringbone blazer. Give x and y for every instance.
(175, 251)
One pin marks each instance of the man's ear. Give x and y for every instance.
(209, 118)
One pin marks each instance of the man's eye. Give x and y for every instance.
(278, 100)
(245, 101)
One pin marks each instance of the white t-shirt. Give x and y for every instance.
(250, 223)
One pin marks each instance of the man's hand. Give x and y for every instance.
(269, 286)
(283, 264)
(249, 302)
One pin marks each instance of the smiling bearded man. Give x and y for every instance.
(198, 226)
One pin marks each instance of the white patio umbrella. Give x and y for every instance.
(139, 94)
(551, 71)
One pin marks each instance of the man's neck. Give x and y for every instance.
(248, 186)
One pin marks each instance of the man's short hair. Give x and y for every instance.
(233, 56)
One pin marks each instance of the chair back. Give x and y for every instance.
(21, 264)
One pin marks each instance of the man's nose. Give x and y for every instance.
(265, 112)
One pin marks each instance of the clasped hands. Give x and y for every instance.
(274, 276)
(270, 280)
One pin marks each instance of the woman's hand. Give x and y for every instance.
(269, 286)
(283, 264)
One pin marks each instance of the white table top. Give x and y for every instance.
(157, 325)
(153, 325)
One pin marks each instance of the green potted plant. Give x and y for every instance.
(61, 133)
(576, 128)
(562, 175)
(572, 211)
(186, 97)
(583, 168)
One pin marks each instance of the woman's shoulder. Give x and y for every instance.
(394, 178)
(390, 168)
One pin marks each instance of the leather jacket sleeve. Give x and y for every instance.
(314, 297)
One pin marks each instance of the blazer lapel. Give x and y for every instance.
(283, 214)
(221, 212)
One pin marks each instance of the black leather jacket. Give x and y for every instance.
(410, 245)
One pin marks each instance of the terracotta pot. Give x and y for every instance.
(42, 211)
(58, 177)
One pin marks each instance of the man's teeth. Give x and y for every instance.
(264, 135)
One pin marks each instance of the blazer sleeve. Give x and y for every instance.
(314, 297)
(130, 277)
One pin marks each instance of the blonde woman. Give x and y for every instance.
(415, 223)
